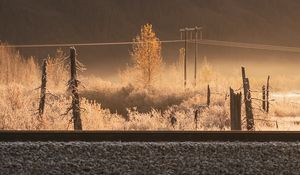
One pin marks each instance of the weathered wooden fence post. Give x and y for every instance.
(235, 110)
(43, 89)
(267, 94)
(196, 118)
(173, 119)
(248, 101)
(263, 98)
(208, 96)
(74, 87)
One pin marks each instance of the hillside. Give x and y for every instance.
(35, 21)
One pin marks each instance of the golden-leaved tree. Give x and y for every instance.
(146, 54)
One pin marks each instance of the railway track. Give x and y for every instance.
(149, 136)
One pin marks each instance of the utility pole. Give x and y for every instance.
(195, 63)
(198, 30)
(185, 32)
(184, 62)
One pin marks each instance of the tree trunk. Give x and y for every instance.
(75, 94)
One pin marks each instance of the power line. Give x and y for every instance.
(203, 42)
(83, 44)
(249, 45)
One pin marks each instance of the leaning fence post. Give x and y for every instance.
(208, 96)
(263, 98)
(235, 110)
(74, 87)
(248, 101)
(43, 89)
(267, 94)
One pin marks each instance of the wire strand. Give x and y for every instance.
(84, 44)
(204, 42)
(249, 45)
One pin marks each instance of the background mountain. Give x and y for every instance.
(74, 21)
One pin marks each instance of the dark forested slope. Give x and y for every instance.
(35, 21)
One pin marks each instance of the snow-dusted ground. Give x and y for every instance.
(149, 158)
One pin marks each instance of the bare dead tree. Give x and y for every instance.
(208, 96)
(235, 110)
(263, 98)
(248, 101)
(43, 89)
(73, 85)
(267, 94)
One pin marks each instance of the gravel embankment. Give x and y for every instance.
(149, 158)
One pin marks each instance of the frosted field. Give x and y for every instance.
(149, 158)
(125, 104)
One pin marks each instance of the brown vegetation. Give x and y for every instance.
(105, 105)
